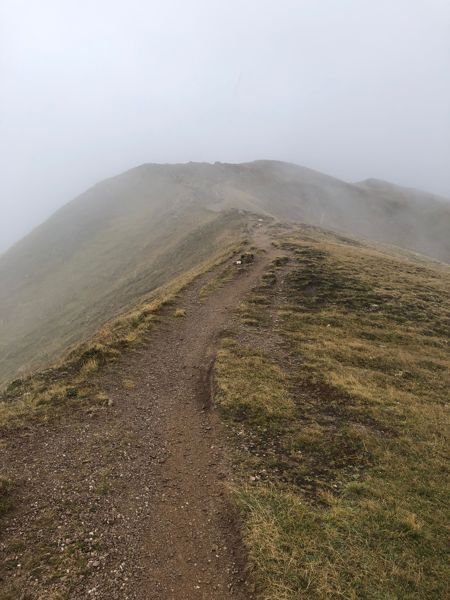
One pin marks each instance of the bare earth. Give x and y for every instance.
(140, 487)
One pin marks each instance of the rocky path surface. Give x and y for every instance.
(133, 499)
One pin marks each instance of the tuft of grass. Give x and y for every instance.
(343, 495)
(103, 398)
(128, 384)
(89, 367)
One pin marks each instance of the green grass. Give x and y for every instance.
(345, 494)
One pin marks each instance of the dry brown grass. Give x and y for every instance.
(251, 386)
(128, 384)
(346, 498)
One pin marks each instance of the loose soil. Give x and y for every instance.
(132, 501)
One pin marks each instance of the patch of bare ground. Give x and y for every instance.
(128, 498)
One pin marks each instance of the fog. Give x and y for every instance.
(354, 88)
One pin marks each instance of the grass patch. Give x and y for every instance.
(49, 562)
(350, 549)
(251, 387)
(344, 495)
(128, 384)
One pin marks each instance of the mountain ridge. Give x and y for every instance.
(297, 388)
(133, 232)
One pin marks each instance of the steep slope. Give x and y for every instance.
(132, 233)
(60, 294)
(422, 219)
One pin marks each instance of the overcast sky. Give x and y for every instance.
(89, 88)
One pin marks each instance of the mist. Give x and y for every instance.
(353, 88)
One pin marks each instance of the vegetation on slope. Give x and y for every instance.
(65, 302)
(334, 386)
(69, 383)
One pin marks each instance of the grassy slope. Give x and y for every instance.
(101, 278)
(334, 388)
(68, 384)
(385, 213)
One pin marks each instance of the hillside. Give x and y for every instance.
(133, 233)
(306, 390)
(334, 384)
(71, 275)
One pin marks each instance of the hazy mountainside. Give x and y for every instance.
(57, 293)
(388, 213)
(134, 232)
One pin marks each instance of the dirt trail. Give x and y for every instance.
(143, 484)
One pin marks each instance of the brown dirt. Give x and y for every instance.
(132, 501)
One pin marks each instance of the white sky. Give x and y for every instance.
(89, 88)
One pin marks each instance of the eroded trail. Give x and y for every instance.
(144, 483)
(191, 544)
